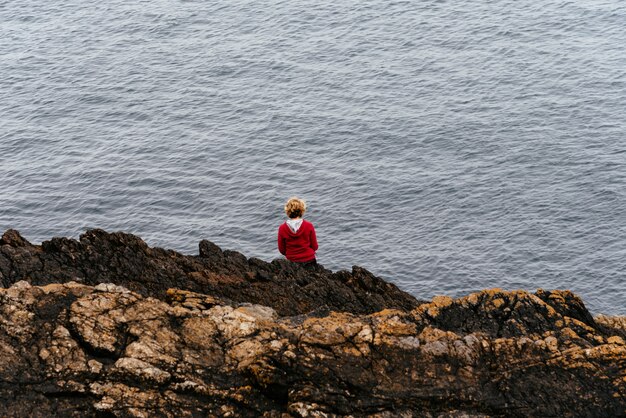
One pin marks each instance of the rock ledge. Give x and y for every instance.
(107, 326)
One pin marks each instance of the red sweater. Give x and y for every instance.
(300, 246)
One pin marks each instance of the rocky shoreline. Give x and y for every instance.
(107, 326)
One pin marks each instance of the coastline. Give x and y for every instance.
(108, 325)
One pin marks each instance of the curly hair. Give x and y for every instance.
(295, 207)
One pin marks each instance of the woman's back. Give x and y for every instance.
(296, 237)
(299, 245)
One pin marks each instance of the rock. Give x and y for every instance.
(81, 350)
(207, 249)
(136, 368)
(91, 328)
(12, 238)
(119, 259)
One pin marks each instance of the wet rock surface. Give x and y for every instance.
(92, 347)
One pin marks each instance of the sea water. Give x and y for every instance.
(447, 146)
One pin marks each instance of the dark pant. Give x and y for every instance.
(310, 263)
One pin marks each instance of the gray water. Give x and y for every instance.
(448, 146)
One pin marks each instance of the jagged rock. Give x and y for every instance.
(127, 261)
(77, 350)
(91, 328)
(12, 238)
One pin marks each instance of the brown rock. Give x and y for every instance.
(248, 338)
(128, 355)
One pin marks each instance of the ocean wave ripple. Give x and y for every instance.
(448, 147)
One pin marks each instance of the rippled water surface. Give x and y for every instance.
(446, 146)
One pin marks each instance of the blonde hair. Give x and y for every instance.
(295, 207)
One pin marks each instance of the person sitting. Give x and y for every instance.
(296, 237)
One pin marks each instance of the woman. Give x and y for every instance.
(296, 237)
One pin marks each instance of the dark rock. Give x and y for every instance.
(567, 304)
(124, 259)
(207, 249)
(13, 238)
